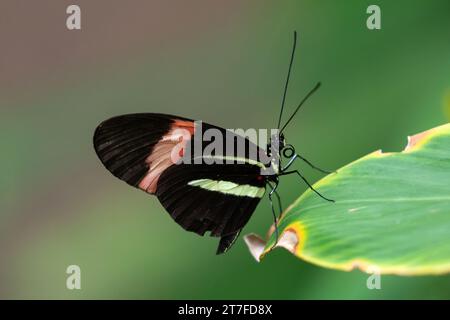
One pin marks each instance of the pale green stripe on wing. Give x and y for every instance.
(228, 187)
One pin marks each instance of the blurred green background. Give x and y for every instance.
(220, 61)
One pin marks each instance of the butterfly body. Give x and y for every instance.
(203, 188)
(219, 197)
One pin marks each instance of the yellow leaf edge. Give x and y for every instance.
(294, 236)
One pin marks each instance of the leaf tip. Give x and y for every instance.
(289, 240)
(255, 245)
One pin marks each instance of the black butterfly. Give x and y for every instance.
(216, 197)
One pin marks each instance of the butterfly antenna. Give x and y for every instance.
(300, 105)
(287, 79)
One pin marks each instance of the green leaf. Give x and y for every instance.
(391, 215)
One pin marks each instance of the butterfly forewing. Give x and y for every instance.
(148, 151)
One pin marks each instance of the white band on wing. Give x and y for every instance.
(228, 187)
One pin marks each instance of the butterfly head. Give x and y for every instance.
(282, 141)
(277, 145)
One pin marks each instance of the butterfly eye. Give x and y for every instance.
(288, 151)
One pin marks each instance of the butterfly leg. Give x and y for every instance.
(275, 219)
(295, 156)
(280, 207)
(313, 166)
(306, 181)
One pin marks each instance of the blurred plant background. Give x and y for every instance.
(220, 61)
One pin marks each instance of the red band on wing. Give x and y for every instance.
(168, 151)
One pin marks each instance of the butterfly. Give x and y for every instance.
(215, 192)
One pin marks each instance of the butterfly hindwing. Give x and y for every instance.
(211, 198)
(219, 198)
